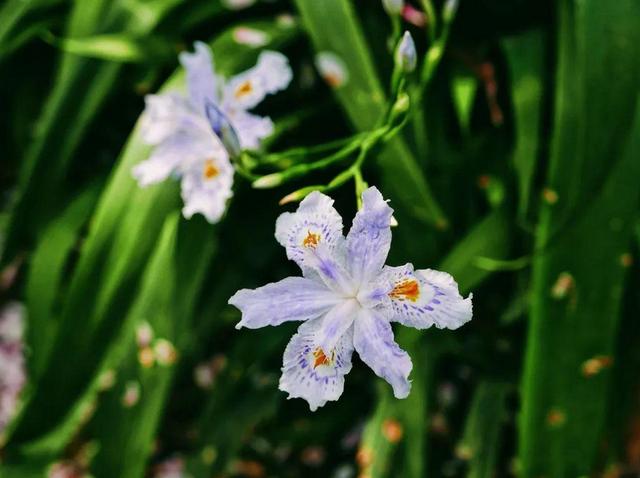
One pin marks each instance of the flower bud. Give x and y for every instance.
(406, 56)
(223, 129)
(393, 7)
(449, 10)
(299, 195)
(400, 108)
(268, 181)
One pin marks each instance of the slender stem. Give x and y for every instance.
(429, 66)
(396, 32)
(245, 174)
(293, 153)
(432, 19)
(360, 184)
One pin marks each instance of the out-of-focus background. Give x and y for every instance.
(518, 173)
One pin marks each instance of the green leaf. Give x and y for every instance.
(117, 48)
(464, 89)
(12, 32)
(526, 59)
(480, 443)
(22, 471)
(577, 273)
(65, 119)
(334, 27)
(489, 238)
(171, 283)
(237, 403)
(563, 402)
(376, 450)
(46, 276)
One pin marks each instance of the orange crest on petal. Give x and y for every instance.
(311, 240)
(406, 290)
(320, 358)
(210, 171)
(244, 89)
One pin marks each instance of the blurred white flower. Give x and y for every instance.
(12, 367)
(66, 469)
(194, 136)
(165, 352)
(131, 394)
(332, 69)
(170, 468)
(205, 373)
(250, 37)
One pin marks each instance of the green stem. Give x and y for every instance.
(294, 153)
(429, 66)
(432, 19)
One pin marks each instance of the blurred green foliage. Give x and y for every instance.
(518, 173)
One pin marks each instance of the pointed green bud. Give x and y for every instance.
(406, 57)
(400, 108)
(300, 194)
(268, 181)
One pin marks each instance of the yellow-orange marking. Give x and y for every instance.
(311, 240)
(320, 358)
(244, 89)
(210, 171)
(406, 290)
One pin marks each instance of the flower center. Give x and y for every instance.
(320, 358)
(244, 89)
(311, 240)
(406, 290)
(210, 171)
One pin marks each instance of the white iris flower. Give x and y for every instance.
(194, 135)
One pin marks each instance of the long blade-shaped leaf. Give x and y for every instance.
(64, 119)
(46, 274)
(481, 439)
(577, 273)
(171, 283)
(525, 54)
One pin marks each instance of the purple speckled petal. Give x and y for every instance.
(369, 239)
(423, 298)
(315, 222)
(293, 298)
(201, 79)
(328, 268)
(336, 322)
(314, 374)
(373, 340)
